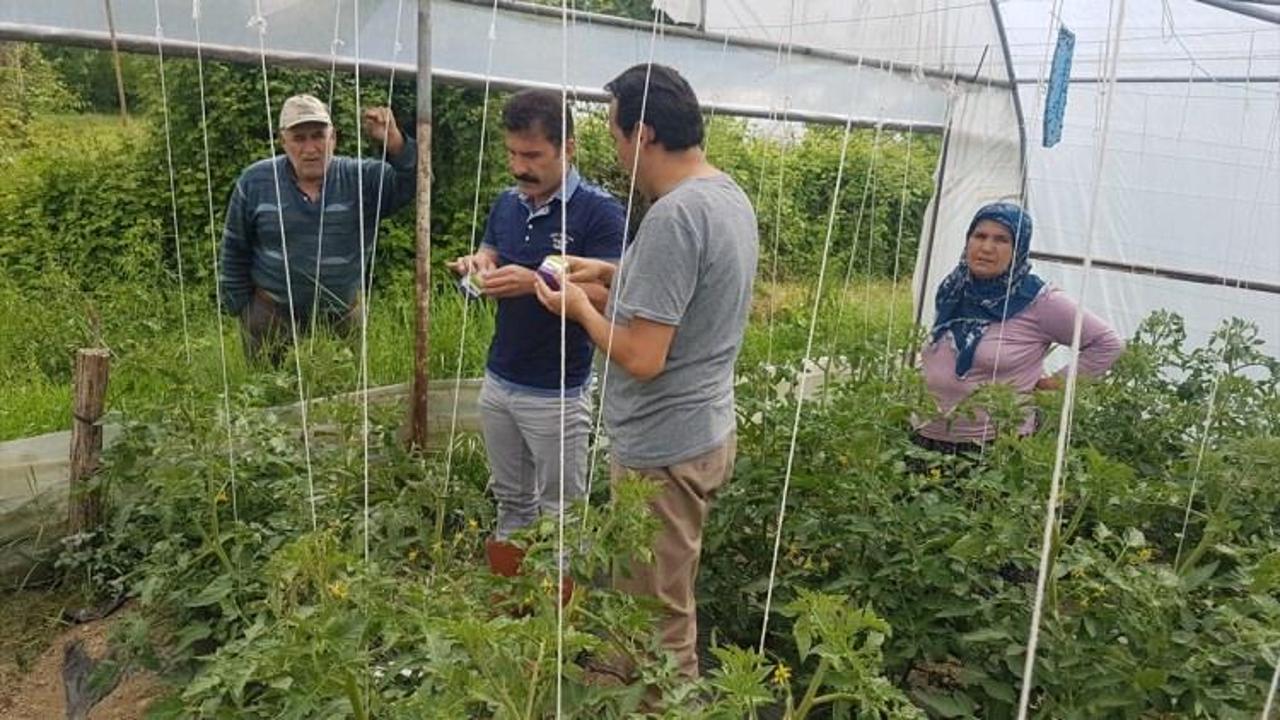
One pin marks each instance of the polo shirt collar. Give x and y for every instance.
(564, 193)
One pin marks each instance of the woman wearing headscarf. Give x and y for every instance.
(996, 322)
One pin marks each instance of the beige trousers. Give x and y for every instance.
(681, 507)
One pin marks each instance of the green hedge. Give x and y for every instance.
(94, 200)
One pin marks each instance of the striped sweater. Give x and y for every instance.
(253, 257)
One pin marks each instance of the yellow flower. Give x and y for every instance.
(935, 473)
(781, 675)
(221, 497)
(338, 589)
(413, 554)
(548, 585)
(472, 525)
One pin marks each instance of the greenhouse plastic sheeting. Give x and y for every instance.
(951, 38)
(526, 50)
(1189, 183)
(34, 475)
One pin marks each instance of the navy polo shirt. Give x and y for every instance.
(525, 353)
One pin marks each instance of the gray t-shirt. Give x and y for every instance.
(691, 265)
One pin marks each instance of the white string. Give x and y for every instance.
(366, 280)
(617, 273)
(897, 253)
(1064, 425)
(334, 44)
(259, 22)
(1275, 676)
(382, 167)
(808, 352)
(1041, 93)
(853, 252)
(800, 393)
(1211, 402)
(871, 236)
(217, 273)
(1271, 693)
(780, 61)
(711, 115)
(1206, 427)
(471, 246)
(362, 296)
(173, 189)
(917, 77)
(782, 172)
(363, 300)
(564, 249)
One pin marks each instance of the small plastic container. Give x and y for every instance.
(551, 270)
(469, 287)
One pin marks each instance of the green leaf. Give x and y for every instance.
(212, 593)
(1199, 575)
(190, 634)
(985, 635)
(1266, 575)
(1150, 679)
(947, 705)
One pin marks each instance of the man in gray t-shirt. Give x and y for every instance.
(672, 327)
(690, 268)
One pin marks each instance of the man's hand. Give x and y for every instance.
(476, 264)
(570, 299)
(380, 125)
(589, 270)
(1049, 382)
(508, 281)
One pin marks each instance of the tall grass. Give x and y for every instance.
(150, 367)
(101, 279)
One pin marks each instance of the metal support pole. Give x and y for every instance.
(115, 59)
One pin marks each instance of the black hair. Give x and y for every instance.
(538, 109)
(671, 107)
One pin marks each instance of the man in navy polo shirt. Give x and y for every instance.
(520, 400)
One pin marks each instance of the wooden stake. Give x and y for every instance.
(92, 369)
(422, 262)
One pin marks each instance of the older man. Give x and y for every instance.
(294, 226)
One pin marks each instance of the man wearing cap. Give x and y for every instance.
(302, 212)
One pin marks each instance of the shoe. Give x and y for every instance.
(504, 558)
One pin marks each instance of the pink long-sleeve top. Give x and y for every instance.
(1022, 343)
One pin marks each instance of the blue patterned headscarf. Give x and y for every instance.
(966, 305)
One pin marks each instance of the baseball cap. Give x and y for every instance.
(303, 109)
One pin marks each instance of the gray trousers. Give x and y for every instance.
(522, 440)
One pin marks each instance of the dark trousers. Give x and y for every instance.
(960, 460)
(944, 447)
(265, 331)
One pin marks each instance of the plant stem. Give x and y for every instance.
(533, 681)
(355, 698)
(1211, 532)
(815, 683)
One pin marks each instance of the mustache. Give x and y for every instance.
(524, 177)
